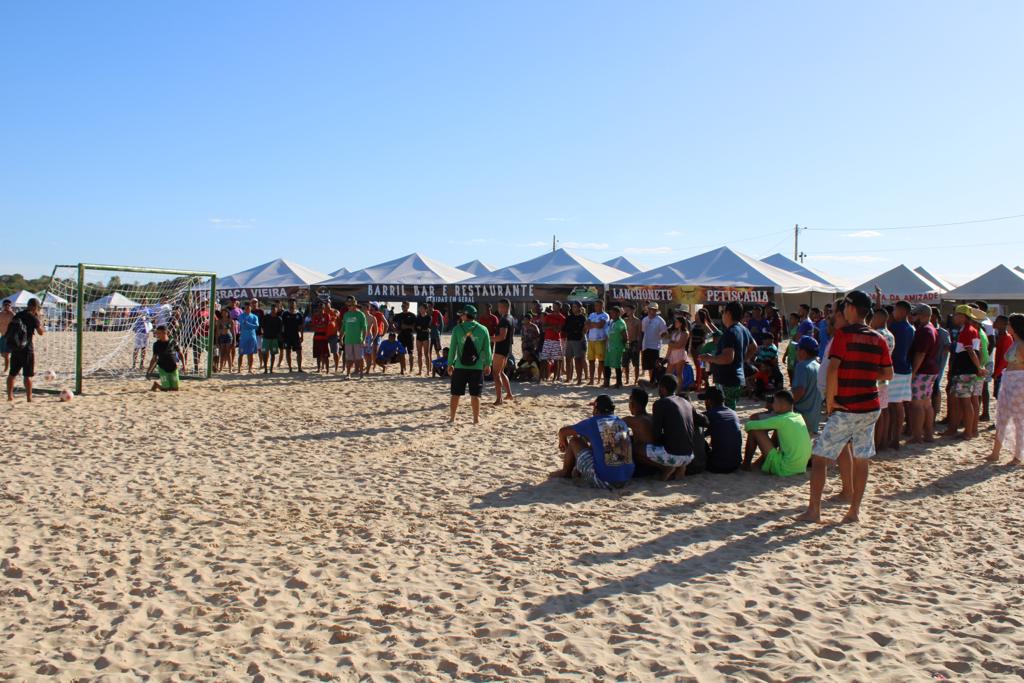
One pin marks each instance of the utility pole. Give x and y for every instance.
(553, 240)
(796, 241)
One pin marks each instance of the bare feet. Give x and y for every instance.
(993, 458)
(841, 497)
(849, 518)
(557, 474)
(809, 516)
(497, 402)
(1016, 462)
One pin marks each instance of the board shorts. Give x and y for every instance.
(576, 349)
(899, 388)
(597, 350)
(632, 354)
(659, 455)
(332, 343)
(291, 344)
(732, 394)
(353, 352)
(649, 358)
(141, 341)
(247, 346)
(22, 362)
(271, 345)
(168, 380)
(552, 350)
(462, 378)
(584, 472)
(965, 386)
(3, 344)
(405, 336)
(319, 348)
(857, 429)
(921, 387)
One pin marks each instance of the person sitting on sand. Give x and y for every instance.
(794, 448)
(597, 451)
(639, 422)
(724, 432)
(389, 352)
(527, 370)
(671, 449)
(165, 358)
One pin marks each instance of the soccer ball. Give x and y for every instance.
(49, 376)
(66, 395)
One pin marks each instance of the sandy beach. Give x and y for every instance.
(254, 528)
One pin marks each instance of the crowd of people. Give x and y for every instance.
(854, 377)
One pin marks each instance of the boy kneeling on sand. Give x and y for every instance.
(165, 358)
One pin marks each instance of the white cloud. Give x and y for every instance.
(647, 250)
(864, 233)
(597, 246)
(853, 258)
(231, 223)
(673, 233)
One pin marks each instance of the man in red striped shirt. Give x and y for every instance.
(858, 358)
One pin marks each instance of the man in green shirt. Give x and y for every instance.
(469, 359)
(794, 449)
(617, 339)
(353, 330)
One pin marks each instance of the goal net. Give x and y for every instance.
(100, 323)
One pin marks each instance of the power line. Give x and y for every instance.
(921, 248)
(930, 225)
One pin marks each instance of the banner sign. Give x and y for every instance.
(261, 293)
(690, 294)
(457, 293)
(933, 298)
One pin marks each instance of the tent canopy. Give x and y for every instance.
(625, 265)
(724, 267)
(790, 266)
(999, 283)
(339, 272)
(115, 301)
(944, 285)
(414, 269)
(21, 298)
(559, 267)
(477, 267)
(276, 273)
(902, 283)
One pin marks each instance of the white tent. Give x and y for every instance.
(477, 267)
(21, 298)
(790, 266)
(278, 273)
(1000, 283)
(413, 269)
(902, 283)
(52, 300)
(111, 302)
(625, 265)
(943, 284)
(559, 267)
(339, 272)
(724, 267)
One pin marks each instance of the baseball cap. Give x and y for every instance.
(807, 343)
(653, 306)
(859, 299)
(604, 404)
(469, 308)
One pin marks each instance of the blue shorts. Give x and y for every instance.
(857, 429)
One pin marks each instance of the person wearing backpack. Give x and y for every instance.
(469, 359)
(18, 340)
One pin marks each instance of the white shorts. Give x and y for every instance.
(552, 350)
(857, 429)
(141, 341)
(659, 455)
(900, 388)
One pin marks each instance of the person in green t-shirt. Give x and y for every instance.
(617, 340)
(353, 331)
(468, 362)
(794, 450)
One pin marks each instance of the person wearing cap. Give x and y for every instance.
(654, 329)
(858, 358)
(806, 396)
(597, 341)
(735, 347)
(469, 359)
(968, 373)
(794, 450)
(672, 430)
(924, 365)
(725, 436)
(551, 352)
(353, 331)
(597, 451)
(900, 387)
(987, 333)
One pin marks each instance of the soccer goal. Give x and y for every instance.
(100, 322)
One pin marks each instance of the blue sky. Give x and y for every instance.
(221, 135)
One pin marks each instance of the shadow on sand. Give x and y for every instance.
(952, 482)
